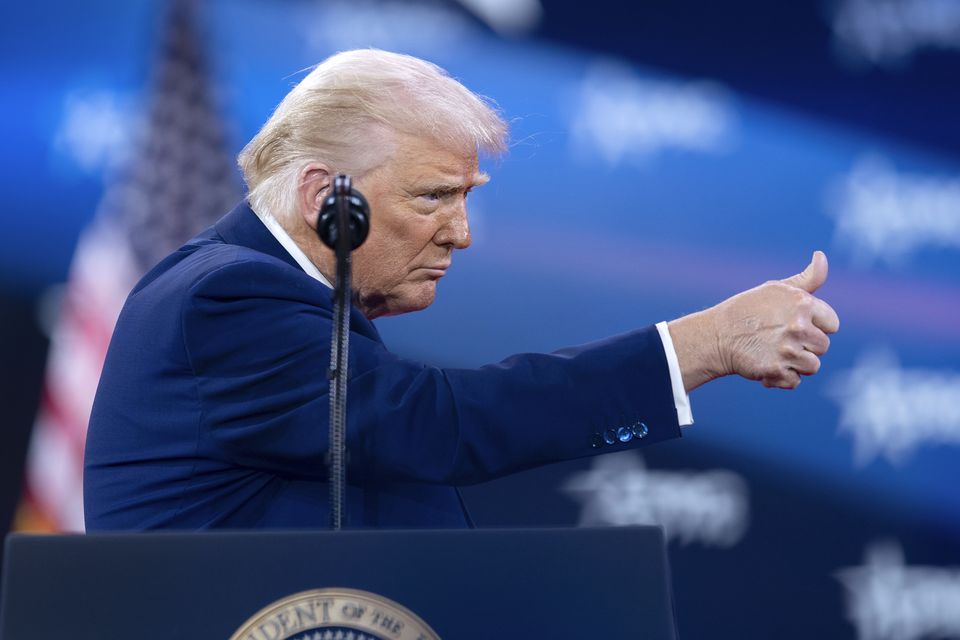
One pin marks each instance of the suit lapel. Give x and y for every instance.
(242, 227)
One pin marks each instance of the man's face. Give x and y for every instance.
(418, 216)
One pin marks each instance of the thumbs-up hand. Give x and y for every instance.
(776, 332)
(773, 333)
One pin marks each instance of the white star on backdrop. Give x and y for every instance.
(889, 600)
(710, 507)
(891, 411)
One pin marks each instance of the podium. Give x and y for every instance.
(464, 585)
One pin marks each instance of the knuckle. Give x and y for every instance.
(796, 327)
(788, 351)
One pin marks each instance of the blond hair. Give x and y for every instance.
(346, 112)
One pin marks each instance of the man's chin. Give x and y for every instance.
(414, 297)
(420, 298)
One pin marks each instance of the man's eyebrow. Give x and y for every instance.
(444, 188)
(447, 188)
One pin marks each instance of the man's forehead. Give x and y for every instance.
(419, 161)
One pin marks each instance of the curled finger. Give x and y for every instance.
(806, 363)
(788, 378)
(816, 342)
(824, 317)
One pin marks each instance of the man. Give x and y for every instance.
(212, 407)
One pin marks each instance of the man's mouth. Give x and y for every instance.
(436, 270)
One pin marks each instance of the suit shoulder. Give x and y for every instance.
(208, 267)
(237, 270)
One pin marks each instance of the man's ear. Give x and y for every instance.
(313, 185)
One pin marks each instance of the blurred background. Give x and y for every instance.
(664, 155)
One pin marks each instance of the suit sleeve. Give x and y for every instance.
(258, 339)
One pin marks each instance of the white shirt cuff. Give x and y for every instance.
(680, 398)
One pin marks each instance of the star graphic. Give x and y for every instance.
(890, 411)
(889, 600)
(710, 507)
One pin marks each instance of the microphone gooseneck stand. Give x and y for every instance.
(342, 225)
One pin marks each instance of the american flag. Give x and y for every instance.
(179, 180)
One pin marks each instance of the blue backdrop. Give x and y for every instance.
(642, 143)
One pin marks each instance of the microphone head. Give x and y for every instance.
(358, 214)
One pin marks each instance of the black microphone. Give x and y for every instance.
(358, 214)
(342, 224)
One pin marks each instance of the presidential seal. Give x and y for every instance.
(335, 614)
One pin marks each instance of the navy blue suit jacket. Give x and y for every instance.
(212, 409)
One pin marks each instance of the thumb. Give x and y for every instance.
(813, 276)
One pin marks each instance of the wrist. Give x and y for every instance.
(697, 343)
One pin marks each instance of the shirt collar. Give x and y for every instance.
(278, 232)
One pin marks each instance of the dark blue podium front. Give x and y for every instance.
(467, 585)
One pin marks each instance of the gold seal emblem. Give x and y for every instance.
(335, 614)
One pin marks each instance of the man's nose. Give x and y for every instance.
(456, 231)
